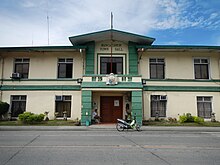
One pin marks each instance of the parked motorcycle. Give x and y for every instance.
(122, 125)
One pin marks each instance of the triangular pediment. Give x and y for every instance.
(111, 34)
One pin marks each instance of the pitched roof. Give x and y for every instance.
(113, 34)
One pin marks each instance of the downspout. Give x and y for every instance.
(2, 75)
(83, 61)
(219, 70)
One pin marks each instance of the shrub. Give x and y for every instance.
(3, 108)
(182, 119)
(30, 118)
(189, 118)
(198, 119)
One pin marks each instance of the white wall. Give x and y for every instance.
(41, 101)
(179, 65)
(181, 102)
(43, 65)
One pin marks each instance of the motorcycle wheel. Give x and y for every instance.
(138, 127)
(119, 127)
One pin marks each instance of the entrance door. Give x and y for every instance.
(111, 108)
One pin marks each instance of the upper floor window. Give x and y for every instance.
(204, 106)
(111, 65)
(65, 68)
(21, 66)
(201, 68)
(157, 66)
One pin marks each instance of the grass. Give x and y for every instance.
(168, 123)
(74, 123)
(44, 123)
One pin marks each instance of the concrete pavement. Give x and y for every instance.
(99, 145)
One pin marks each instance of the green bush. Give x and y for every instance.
(3, 108)
(189, 118)
(182, 119)
(30, 118)
(198, 119)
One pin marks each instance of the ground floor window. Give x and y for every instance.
(63, 105)
(18, 105)
(204, 106)
(158, 106)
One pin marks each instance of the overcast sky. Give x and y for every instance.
(171, 22)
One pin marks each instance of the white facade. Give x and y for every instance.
(179, 83)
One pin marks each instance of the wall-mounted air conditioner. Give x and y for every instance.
(163, 97)
(16, 76)
(58, 98)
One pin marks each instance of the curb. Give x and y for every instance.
(107, 128)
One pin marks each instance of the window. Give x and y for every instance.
(201, 68)
(204, 106)
(65, 68)
(157, 66)
(18, 105)
(117, 65)
(158, 105)
(63, 103)
(21, 66)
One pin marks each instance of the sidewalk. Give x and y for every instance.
(106, 127)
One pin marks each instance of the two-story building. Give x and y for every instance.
(110, 71)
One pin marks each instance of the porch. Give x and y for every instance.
(110, 99)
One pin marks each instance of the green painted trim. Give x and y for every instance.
(133, 58)
(183, 80)
(121, 85)
(40, 88)
(40, 48)
(183, 88)
(137, 105)
(90, 56)
(67, 79)
(177, 47)
(86, 111)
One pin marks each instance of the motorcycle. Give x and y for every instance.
(122, 125)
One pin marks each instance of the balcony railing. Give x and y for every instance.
(104, 78)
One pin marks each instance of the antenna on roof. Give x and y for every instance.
(111, 20)
(111, 38)
(48, 24)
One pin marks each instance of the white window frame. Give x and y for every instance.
(66, 62)
(209, 68)
(204, 101)
(114, 55)
(149, 70)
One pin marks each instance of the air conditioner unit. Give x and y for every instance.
(59, 98)
(163, 97)
(16, 76)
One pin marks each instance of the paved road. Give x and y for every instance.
(170, 147)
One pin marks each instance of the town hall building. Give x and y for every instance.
(110, 71)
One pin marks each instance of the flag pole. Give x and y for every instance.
(111, 38)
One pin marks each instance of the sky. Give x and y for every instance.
(170, 22)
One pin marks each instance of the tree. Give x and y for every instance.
(3, 108)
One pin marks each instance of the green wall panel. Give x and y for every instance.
(86, 112)
(133, 58)
(136, 98)
(90, 55)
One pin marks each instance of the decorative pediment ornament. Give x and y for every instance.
(111, 79)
